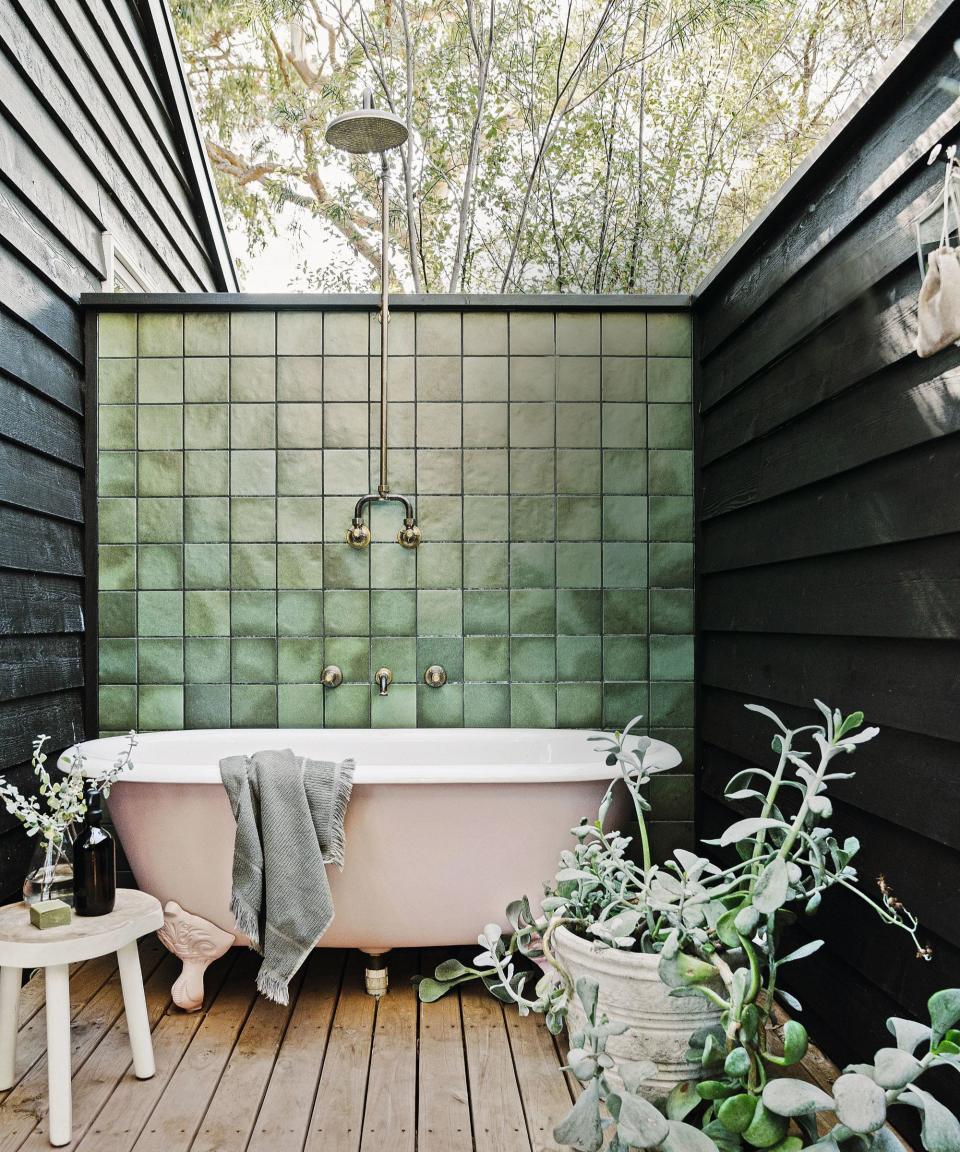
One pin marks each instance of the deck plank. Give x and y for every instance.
(181, 1109)
(444, 1102)
(390, 1118)
(232, 1113)
(126, 1113)
(26, 1104)
(546, 1097)
(337, 1121)
(109, 1063)
(288, 1103)
(498, 1121)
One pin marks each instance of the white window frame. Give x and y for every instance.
(118, 265)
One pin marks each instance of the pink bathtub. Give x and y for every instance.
(444, 828)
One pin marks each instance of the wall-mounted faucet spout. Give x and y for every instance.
(359, 535)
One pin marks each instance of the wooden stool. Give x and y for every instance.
(54, 950)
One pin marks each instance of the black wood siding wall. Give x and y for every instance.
(829, 519)
(87, 145)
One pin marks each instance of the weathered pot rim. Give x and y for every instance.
(639, 965)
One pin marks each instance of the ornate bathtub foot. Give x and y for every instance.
(376, 975)
(198, 943)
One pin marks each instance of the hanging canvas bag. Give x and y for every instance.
(938, 309)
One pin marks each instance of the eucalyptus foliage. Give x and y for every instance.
(717, 930)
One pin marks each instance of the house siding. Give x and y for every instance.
(829, 528)
(87, 145)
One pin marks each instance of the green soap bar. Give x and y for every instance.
(49, 914)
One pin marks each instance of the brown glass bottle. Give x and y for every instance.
(94, 863)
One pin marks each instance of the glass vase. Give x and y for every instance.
(50, 876)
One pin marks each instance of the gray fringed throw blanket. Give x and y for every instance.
(289, 813)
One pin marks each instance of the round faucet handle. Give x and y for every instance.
(358, 534)
(435, 676)
(409, 535)
(331, 676)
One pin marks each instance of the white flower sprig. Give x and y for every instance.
(102, 782)
(63, 799)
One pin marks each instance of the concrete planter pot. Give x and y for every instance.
(631, 991)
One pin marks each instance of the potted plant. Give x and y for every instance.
(713, 933)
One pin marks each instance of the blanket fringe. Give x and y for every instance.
(273, 987)
(246, 921)
(341, 800)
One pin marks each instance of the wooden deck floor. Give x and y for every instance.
(336, 1071)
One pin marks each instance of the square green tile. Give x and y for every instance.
(253, 706)
(532, 425)
(485, 517)
(160, 707)
(533, 705)
(160, 426)
(485, 471)
(160, 566)
(253, 426)
(625, 658)
(396, 710)
(579, 565)
(625, 565)
(160, 613)
(206, 660)
(253, 519)
(486, 658)
(253, 380)
(159, 520)
(486, 705)
(532, 334)
(253, 613)
(206, 613)
(578, 471)
(532, 518)
(302, 378)
(671, 610)
(578, 333)
(117, 381)
(300, 426)
(206, 380)
(346, 612)
(118, 661)
(253, 661)
(532, 470)
(207, 705)
(578, 425)
(345, 378)
(671, 657)
(669, 380)
(672, 796)
(440, 565)
(624, 471)
(437, 376)
(624, 611)
(160, 381)
(578, 517)
(579, 658)
(485, 378)
(206, 518)
(669, 426)
(206, 425)
(116, 474)
(117, 613)
(532, 565)
(533, 658)
(486, 613)
(252, 566)
(300, 472)
(346, 567)
(440, 612)
(440, 707)
(624, 379)
(623, 702)
(671, 472)
(160, 474)
(253, 333)
(447, 651)
(160, 334)
(206, 473)
(485, 565)
(117, 334)
(300, 612)
(438, 333)
(579, 612)
(117, 705)
(347, 707)
(485, 334)
(578, 378)
(533, 378)
(116, 521)
(346, 334)
(117, 427)
(393, 613)
(671, 518)
(579, 705)
(300, 565)
(624, 518)
(351, 654)
(668, 334)
(533, 611)
(299, 661)
(671, 565)
(117, 566)
(299, 333)
(206, 334)
(438, 425)
(398, 653)
(300, 519)
(623, 334)
(300, 705)
(485, 425)
(160, 661)
(671, 704)
(623, 425)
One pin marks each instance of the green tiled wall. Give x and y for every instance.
(550, 456)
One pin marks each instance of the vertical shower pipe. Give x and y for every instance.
(382, 488)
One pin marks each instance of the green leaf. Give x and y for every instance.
(788, 1144)
(788, 1097)
(795, 1042)
(944, 1008)
(581, 1127)
(940, 1131)
(909, 1033)
(861, 1102)
(736, 1114)
(429, 990)
(714, 1090)
(682, 1100)
(452, 970)
(772, 886)
(727, 929)
(894, 1068)
(737, 1063)
(743, 829)
(685, 1138)
(680, 970)
(639, 1123)
(766, 1128)
(636, 1072)
(854, 720)
(587, 992)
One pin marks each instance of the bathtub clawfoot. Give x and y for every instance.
(376, 975)
(197, 942)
